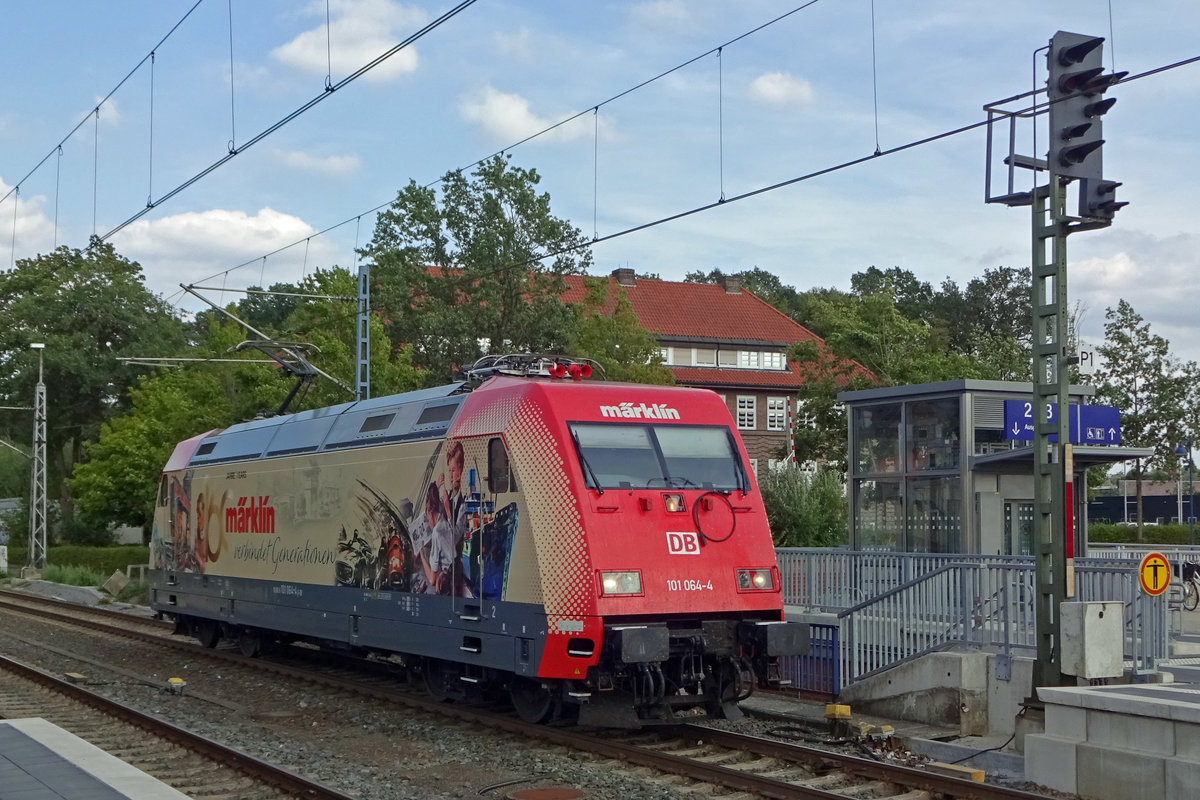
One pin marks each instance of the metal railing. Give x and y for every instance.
(894, 607)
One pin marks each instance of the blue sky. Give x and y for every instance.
(794, 98)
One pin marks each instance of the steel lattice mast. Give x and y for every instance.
(37, 493)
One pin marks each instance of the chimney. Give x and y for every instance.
(624, 276)
(732, 284)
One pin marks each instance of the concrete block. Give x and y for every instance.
(1142, 734)
(1093, 639)
(1187, 741)
(115, 583)
(1050, 762)
(1183, 778)
(1067, 722)
(1104, 773)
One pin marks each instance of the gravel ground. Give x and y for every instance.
(361, 747)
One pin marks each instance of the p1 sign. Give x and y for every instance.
(1087, 361)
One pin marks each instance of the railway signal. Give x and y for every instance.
(1075, 91)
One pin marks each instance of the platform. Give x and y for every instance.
(41, 761)
(1136, 740)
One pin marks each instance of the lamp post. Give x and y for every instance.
(1185, 447)
(37, 493)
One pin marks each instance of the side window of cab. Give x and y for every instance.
(500, 478)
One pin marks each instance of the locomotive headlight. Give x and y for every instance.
(674, 502)
(617, 583)
(750, 580)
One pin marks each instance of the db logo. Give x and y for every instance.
(683, 543)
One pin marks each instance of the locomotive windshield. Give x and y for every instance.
(638, 455)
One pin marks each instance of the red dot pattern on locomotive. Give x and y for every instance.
(558, 536)
(557, 527)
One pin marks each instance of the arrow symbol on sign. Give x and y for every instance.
(1112, 433)
(1016, 429)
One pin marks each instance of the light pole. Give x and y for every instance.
(37, 493)
(1191, 488)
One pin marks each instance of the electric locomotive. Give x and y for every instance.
(597, 550)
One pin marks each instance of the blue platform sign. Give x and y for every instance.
(1087, 424)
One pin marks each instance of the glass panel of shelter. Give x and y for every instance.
(921, 513)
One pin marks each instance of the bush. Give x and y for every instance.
(102, 560)
(804, 510)
(1173, 534)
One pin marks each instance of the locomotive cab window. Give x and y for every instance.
(639, 456)
(500, 477)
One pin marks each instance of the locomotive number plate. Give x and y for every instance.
(689, 585)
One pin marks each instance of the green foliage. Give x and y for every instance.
(1141, 379)
(608, 332)
(88, 307)
(73, 576)
(1172, 535)
(805, 510)
(102, 560)
(330, 325)
(478, 272)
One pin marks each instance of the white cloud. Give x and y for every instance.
(110, 112)
(509, 118)
(359, 31)
(33, 229)
(781, 89)
(517, 45)
(327, 165)
(190, 247)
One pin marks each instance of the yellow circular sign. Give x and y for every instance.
(1154, 573)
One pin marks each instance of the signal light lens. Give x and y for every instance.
(620, 583)
(755, 580)
(674, 502)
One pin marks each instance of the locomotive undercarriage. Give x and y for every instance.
(646, 673)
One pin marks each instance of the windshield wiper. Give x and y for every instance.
(587, 467)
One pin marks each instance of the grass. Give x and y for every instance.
(76, 565)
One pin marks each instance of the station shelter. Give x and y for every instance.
(932, 469)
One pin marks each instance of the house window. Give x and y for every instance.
(706, 357)
(747, 410)
(683, 356)
(776, 413)
(772, 361)
(727, 358)
(749, 359)
(666, 355)
(754, 466)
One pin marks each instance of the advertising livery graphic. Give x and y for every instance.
(309, 524)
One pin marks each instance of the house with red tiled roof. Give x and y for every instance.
(724, 338)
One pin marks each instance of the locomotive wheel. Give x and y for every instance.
(532, 701)
(250, 642)
(207, 632)
(436, 676)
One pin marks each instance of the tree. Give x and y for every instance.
(805, 510)
(608, 332)
(819, 430)
(1141, 379)
(331, 325)
(88, 307)
(479, 272)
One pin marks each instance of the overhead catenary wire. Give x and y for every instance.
(104, 100)
(593, 109)
(270, 129)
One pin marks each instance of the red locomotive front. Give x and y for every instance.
(654, 561)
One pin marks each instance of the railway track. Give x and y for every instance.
(682, 754)
(189, 763)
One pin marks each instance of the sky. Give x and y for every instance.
(825, 85)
